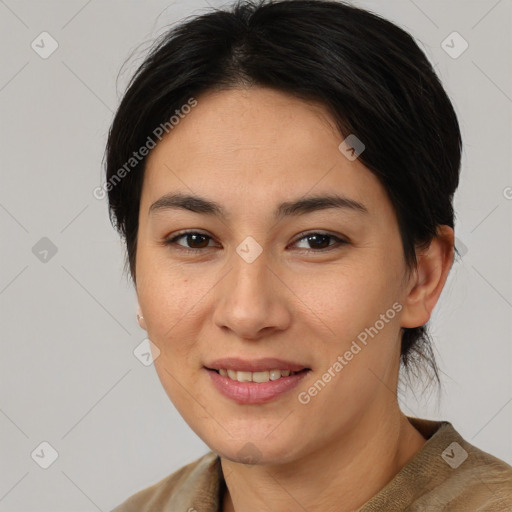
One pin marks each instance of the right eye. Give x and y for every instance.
(195, 239)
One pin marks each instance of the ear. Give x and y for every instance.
(429, 278)
(140, 319)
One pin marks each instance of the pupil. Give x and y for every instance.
(317, 237)
(318, 241)
(195, 237)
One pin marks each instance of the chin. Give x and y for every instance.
(254, 451)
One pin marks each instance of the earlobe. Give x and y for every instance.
(428, 280)
(141, 320)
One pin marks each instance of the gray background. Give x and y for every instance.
(68, 373)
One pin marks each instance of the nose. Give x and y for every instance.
(252, 300)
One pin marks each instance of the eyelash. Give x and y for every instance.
(172, 241)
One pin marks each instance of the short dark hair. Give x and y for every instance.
(368, 73)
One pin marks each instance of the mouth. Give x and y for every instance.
(251, 388)
(255, 370)
(254, 365)
(258, 377)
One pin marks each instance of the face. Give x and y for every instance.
(305, 285)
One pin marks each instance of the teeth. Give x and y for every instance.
(275, 374)
(255, 376)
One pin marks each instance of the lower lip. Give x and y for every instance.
(255, 392)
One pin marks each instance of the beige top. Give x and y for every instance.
(447, 474)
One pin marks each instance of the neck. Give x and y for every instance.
(373, 451)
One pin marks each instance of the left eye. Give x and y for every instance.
(321, 240)
(197, 241)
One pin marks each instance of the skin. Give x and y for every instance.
(249, 150)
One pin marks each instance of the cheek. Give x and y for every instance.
(171, 303)
(356, 322)
(347, 299)
(170, 297)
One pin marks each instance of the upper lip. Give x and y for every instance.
(254, 365)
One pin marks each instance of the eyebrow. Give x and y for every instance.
(196, 204)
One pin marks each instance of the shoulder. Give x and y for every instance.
(195, 481)
(476, 478)
(460, 476)
(448, 473)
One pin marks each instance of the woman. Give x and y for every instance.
(283, 174)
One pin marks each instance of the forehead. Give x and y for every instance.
(254, 145)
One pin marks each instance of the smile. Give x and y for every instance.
(247, 389)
